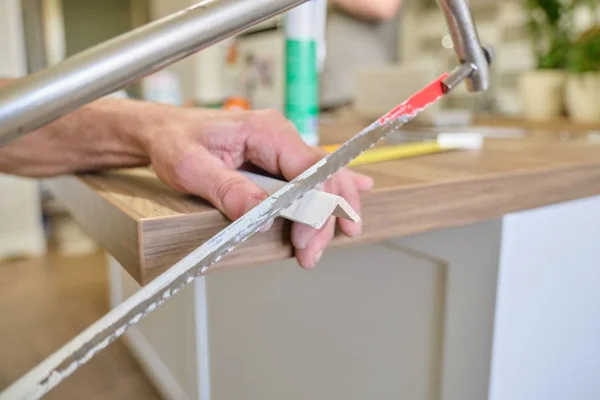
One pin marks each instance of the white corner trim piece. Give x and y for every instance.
(460, 141)
(313, 209)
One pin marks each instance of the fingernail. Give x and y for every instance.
(267, 226)
(315, 261)
(358, 228)
(318, 257)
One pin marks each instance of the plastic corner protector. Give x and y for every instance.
(313, 209)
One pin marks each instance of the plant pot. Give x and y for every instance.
(582, 97)
(541, 93)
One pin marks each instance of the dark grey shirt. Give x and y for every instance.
(353, 44)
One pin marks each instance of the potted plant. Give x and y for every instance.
(583, 83)
(541, 90)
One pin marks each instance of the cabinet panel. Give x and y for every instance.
(362, 325)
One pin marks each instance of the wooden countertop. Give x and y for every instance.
(148, 227)
(553, 125)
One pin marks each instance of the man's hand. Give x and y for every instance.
(198, 152)
(193, 151)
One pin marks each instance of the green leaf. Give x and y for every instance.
(584, 55)
(550, 26)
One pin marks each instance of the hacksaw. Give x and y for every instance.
(45, 96)
(114, 324)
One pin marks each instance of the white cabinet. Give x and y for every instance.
(548, 318)
(409, 318)
(500, 310)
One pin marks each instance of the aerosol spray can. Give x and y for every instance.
(305, 27)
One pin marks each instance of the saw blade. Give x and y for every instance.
(40, 380)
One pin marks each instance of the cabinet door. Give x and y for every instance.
(363, 325)
(407, 319)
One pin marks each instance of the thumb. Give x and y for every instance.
(228, 190)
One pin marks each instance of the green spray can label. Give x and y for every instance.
(302, 88)
(302, 70)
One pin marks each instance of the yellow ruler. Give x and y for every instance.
(443, 143)
(389, 153)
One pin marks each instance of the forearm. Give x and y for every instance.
(107, 133)
(377, 10)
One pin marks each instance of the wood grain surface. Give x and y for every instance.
(148, 227)
(551, 125)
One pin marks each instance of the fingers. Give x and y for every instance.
(364, 183)
(309, 242)
(352, 184)
(348, 190)
(203, 161)
(303, 235)
(273, 144)
(206, 176)
(277, 148)
(309, 256)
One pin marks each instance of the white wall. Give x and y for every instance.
(185, 69)
(12, 62)
(201, 75)
(21, 230)
(54, 31)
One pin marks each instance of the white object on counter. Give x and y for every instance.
(460, 141)
(594, 137)
(313, 209)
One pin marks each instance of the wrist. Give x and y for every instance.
(133, 123)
